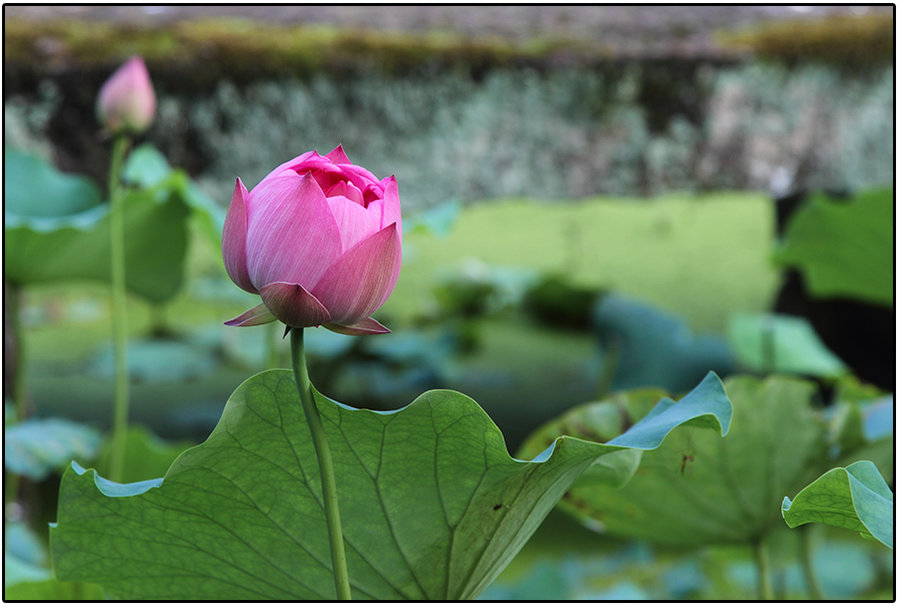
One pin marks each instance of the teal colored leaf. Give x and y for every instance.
(845, 248)
(698, 488)
(35, 448)
(855, 497)
(34, 188)
(649, 347)
(23, 544)
(433, 506)
(157, 360)
(773, 343)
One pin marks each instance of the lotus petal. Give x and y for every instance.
(293, 304)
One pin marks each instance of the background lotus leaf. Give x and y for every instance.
(854, 497)
(697, 488)
(845, 248)
(56, 225)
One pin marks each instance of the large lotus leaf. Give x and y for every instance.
(774, 343)
(35, 448)
(854, 497)
(433, 506)
(697, 488)
(844, 248)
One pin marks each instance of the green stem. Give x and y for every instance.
(326, 468)
(119, 319)
(806, 557)
(763, 570)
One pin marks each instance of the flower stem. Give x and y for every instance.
(763, 570)
(119, 320)
(326, 468)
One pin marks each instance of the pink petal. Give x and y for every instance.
(348, 190)
(293, 305)
(355, 222)
(391, 204)
(292, 236)
(361, 280)
(369, 326)
(338, 156)
(290, 164)
(234, 239)
(253, 317)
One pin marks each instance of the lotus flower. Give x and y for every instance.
(126, 103)
(319, 240)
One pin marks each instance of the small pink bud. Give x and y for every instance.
(126, 103)
(319, 240)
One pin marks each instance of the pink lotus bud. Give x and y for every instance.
(319, 240)
(126, 102)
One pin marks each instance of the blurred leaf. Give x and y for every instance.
(438, 220)
(774, 343)
(855, 497)
(36, 448)
(555, 300)
(21, 542)
(56, 227)
(844, 248)
(146, 455)
(698, 488)
(878, 418)
(863, 429)
(653, 348)
(433, 505)
(147, 166)
(73, 247)
(157, 360)
(16, 570)
(34, 188)
(25, 581)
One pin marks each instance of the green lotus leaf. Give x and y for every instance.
(698, 488)
(845, 248)
(855, 497)
(432, 504)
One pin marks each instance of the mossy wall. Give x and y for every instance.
(480, 123)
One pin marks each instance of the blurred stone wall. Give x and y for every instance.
(632, 126)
